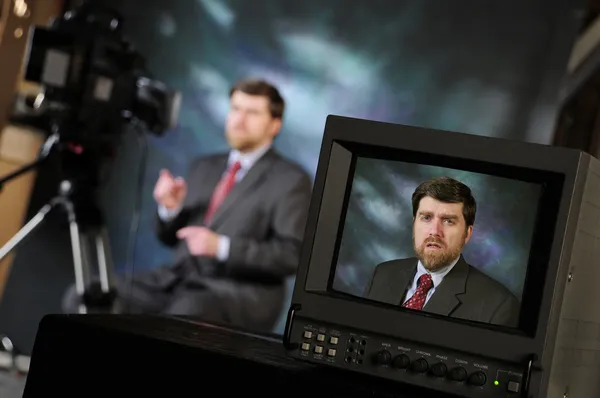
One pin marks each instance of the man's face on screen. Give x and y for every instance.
(250, 124)
(439, 233)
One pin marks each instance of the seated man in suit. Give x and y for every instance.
(236, 225)
(439, 280)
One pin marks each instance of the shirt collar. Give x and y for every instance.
(247, 159)
(436, 276)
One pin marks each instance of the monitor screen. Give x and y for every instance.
(437, 240)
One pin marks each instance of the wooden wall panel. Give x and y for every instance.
(18, 145)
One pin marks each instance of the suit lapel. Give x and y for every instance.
(250, 180)
(403, 277)
(445, 299)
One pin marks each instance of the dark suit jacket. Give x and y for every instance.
(264, 216)
(465, 292)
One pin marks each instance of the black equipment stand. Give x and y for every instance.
(88, 233)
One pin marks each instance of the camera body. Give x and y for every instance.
(93, 80)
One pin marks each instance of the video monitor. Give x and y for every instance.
(436, 239)
(448, 261)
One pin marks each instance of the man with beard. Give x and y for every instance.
(236, 229)
(439, 280)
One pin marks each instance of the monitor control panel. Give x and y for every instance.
(434, 368)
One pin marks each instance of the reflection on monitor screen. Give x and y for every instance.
(439, 240)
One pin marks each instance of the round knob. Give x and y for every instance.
(439, 369)
(477, 379)
(383, 357)
(458, 374)
(419, 366)
(401, 361)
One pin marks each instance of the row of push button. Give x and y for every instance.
(319, 349)
(321, 337)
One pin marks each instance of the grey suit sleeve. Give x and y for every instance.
(507, 313)
(277, 256)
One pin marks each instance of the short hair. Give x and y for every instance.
(253, 86)
(448, 190)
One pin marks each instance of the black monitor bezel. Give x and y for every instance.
(332, 179)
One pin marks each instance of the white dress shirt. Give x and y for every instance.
(247, 160)
(437, 277)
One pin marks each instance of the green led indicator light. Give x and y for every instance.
(496, 383)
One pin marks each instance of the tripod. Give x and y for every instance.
(87, 234)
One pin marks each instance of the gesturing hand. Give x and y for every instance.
(200, 241)
(169, 191)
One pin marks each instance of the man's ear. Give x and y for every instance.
(276, 126)
(469, 233)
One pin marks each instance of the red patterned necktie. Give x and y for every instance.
(417, 301)
(221, 191)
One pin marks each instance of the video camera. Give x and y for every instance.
(94, 81)
(93, 84)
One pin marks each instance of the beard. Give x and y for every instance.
(243, 142)
(240, 143)
(434, 260)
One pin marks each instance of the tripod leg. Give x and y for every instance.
(87, 255)
(105, 265)
(105, 261)
(81, 266)
(26, 230)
